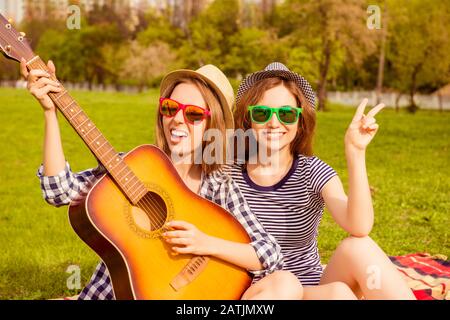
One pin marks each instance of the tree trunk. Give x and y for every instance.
(178, 14)
(397, 100)
(441, 104)
(322, 87)
(412, 89)
(267, 6)
(381, 62)
(100, 77)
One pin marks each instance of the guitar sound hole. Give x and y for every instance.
(151, 212)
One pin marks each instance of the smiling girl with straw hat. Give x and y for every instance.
(191, 102)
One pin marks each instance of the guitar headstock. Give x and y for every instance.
(13, 43)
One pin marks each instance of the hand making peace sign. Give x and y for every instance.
(363, 128)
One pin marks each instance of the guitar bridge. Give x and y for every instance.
(188, 274)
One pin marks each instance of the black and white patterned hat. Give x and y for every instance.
(277, 69)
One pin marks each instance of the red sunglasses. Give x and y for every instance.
(192, 114)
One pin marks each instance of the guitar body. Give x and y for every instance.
(140, 263)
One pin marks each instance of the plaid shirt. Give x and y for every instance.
(68, 187)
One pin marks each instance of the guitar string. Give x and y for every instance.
(159, 218)
(152, 205)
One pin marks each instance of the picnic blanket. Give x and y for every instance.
(428, 276)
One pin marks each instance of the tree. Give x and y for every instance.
(325, 27)
(114, 57)
(93, 39)
(209, 35)
(145, 65)
(382, 56)
(251, 50)
(64, 48)
(40, 16)
(113, 13)
(268, 8)
(183, 11)
(80, 55)
(419, 46)
(8, 69)
(160, 29)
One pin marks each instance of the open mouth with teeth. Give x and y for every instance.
(177, 134)
(273, 134)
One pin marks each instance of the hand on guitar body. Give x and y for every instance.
(187, 238)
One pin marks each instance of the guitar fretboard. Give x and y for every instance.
(132, 187)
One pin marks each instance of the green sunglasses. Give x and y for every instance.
(285, 114)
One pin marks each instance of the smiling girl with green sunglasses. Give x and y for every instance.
(289, 191)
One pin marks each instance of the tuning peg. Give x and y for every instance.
(10, 20)
(23, 34)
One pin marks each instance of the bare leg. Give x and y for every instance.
(280, 285)
(365, 268)
(329, 291)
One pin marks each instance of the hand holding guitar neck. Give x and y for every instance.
(40, 83)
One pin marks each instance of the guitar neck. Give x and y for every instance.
(132, 187)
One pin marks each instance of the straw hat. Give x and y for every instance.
(215, 78)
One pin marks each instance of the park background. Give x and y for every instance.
(113, 64)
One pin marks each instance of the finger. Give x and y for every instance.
(40, 93)
(373, 127)
(173, 253)
(367, 122)
(35, 74)
(23, 68)
(375, 110)
(179, 241)
(39, 73)
(52, 67)
(42, 82)
(360, 110)
(184, 250)
(178, 224)
(177, 234)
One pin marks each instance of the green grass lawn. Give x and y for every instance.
(408, 165)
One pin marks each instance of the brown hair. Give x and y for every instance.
(213, 122)
(302, 143)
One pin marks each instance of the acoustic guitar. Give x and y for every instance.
(123, 216)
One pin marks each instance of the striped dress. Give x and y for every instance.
(291, 211)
